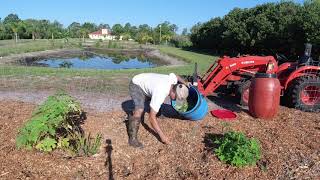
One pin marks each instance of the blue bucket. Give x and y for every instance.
(199, 111)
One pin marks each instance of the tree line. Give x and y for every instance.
(12, 27)
(282, 27)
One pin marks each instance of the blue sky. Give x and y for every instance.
(183, 13)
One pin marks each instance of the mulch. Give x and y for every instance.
(290, 148)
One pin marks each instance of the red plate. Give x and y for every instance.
(223, 114)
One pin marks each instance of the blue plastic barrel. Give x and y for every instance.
(199, 111)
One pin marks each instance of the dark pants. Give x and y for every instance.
(138, 96)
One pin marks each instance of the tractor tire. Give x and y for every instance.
(243, 93)
(304, 94)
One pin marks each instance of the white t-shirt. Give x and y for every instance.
(156, 86)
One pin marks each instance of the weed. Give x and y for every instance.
(236, 149)
(86, 145)
(56, 124)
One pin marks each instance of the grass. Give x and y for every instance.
(203, 60)
(8, 47)
(92, 80)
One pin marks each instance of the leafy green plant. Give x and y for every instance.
(56, 124)
(182, 107)
(236, 149)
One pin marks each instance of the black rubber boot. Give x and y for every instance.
(133, 128)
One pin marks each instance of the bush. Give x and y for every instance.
(236, 149)
(98, 44)
(181, 41)
(112, 44)
(56, 124)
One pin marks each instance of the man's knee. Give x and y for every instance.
(137, 113)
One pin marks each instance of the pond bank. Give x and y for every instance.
(65, 53)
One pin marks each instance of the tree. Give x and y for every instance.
(144, 34)
(91, 27)
(41, 29)
(11, 23)
(311, 24)
(74, 29)
(11, 18)
(127, 31)
(166, 30)
(117, 30)
(2, 30)
(55, 29)
(127, 28)
(103, 26)
(184, 32)
(86, 28)
(31, 27)
(271, 27)
(14, 27)
(133, 31)
(144, 37)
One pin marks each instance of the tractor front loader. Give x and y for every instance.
(300, 82)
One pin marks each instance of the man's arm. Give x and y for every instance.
(156, 127)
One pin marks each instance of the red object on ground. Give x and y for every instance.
(223, 114)
(264, 96)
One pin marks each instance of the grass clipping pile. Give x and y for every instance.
(56, 124)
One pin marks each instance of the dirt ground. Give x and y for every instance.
(290, 148)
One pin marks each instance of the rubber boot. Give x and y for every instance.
(133, 128)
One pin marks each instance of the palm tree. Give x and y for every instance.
(14, 29)
(84, 32)
(31, 27)
(167, 38)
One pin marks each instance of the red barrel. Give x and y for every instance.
(264, 96)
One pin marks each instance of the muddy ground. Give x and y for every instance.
(290, 148)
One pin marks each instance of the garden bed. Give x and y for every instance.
(289, 143)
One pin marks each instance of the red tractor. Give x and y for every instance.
(300, 82)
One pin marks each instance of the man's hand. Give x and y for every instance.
(156, 127)
(164, 138)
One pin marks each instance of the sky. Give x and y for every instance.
(183, 13)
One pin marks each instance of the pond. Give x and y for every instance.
(97, 61)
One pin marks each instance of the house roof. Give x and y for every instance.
(97, 32)
(100, 33)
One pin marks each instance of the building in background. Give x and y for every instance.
(103, 34)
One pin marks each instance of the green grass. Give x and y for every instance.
(203, 60)
(8, 47)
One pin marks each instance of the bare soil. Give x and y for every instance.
(290, 148)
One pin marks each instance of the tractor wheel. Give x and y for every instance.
(304, 94)
(243, 93)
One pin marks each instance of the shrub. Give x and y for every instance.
(112, 44)
(181, 41)
(98, 44)
(236, 149)
(56, 124)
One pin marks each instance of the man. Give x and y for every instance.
(156, 87)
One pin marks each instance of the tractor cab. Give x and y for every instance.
(307, 59)
(300, 81)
